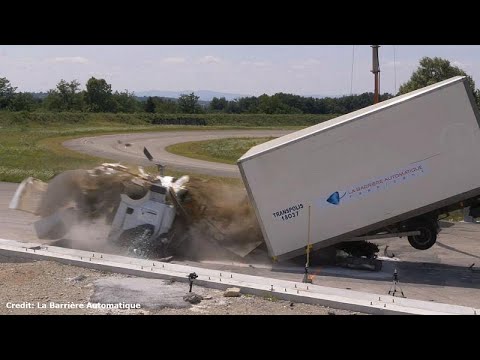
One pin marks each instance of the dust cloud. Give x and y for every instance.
(224, 225)
(90, 235)
(217, 221)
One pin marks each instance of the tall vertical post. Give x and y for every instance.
(308, 239)
(306, 278)
(376, 73)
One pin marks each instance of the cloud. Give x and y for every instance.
(460, 64)
(101, 75)
(69, 60)
(209, 59)
(399, 64)
(174, 60)
(256, 63)
(303, 64)
(298, 67)
(312, 62)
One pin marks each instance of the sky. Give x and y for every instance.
(241, 69)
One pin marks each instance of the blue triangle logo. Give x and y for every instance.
(335, 198)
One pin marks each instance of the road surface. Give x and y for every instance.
(129, 148)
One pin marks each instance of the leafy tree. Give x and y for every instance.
(274, 105)
(188, 104)
(52, 101)
(65, 97)
(69, 93)
(165, 106)
(233, 107)
(150, 105)
(218, 104)
(7, 93)
(125, 102)
(98, 95)
(292, 101)
(23, 102)
(431, 71)
(248, 104)
(313, 106)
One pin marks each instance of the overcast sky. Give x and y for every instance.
(251, 70)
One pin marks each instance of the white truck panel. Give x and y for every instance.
(365, 167)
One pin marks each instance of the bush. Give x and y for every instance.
(46, 118)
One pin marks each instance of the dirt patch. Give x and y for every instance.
(250, 305)
(43, 282)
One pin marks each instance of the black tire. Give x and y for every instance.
(427, 237)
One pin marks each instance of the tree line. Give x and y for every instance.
(282, 103)
(98, 97)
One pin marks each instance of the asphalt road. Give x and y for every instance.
(129, 148)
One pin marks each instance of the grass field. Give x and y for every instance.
(221, 150)
(37, 151)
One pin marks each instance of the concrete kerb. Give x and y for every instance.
(254, 285)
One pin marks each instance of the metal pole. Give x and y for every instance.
(376, 72)
(308, 239)
(376, 95)
(306, 278)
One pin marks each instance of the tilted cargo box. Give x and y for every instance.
(366, 170)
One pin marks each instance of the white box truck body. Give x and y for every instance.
(367, 170)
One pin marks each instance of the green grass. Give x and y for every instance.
(271, 298)
(220, 150)
(36, 151)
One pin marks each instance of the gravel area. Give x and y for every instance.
(37, 284)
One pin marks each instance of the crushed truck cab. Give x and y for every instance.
(150, 212)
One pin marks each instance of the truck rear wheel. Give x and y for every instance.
(427, 237)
